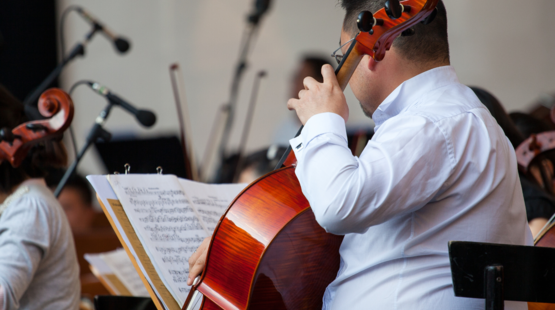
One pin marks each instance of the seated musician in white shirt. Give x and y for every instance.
(438, 168)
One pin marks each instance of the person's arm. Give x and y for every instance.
(24, 238)
(400, 170)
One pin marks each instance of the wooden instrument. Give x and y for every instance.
(54, 104)
(268, 251)
(546, 239)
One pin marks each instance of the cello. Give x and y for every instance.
(55, 105)
(268, 251)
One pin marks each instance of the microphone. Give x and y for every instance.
(260, 8)
(145, 117)
(122, 45)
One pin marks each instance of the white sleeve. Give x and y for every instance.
(401, 169)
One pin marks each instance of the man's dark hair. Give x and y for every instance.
(429, 44)
(316, 63)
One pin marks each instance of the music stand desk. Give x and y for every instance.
(499, 272)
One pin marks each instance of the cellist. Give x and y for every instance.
(438, 168)
(38, 263)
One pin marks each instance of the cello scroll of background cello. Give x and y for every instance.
(54, 104)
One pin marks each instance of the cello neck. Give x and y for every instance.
(349, 64)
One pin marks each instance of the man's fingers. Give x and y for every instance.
(310, 83)
(329, 75)
(198, 260)
(292, 104)
(199, 251)
(196, 269)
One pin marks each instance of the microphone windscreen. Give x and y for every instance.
(122, 45)
(146, 118)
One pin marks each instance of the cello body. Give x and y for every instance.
(270, 254)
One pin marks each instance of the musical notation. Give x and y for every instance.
(156, 237)
(159, 202)
(193, 221)
(147, 191)
(176, 250)
(174, 229)
(176, 259)
(179, 276)
(172, 217)
(164, 210)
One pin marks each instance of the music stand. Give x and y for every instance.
(144, 155)
(499, 272)
(123, 302)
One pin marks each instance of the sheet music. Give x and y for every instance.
(108, 196)
(165, 222)
(211, 200)
(122, 267)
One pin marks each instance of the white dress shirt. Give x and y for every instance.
(438, 168)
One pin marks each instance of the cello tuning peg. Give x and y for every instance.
(407, 33)
(8, 136)
(394, 9)
(430, 17)
(35, 127)
(366, 21)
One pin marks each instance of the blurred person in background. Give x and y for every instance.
(310, 65)
(77, 201)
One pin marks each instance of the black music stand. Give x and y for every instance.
(123, 302)
(144, 155)
(499, 272)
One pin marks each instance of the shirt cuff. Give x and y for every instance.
(317, 125)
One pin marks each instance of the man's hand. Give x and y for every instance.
(319, 98)
(198, 260)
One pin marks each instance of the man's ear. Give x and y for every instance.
(372, 63)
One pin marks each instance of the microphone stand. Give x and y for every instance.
(96, 133)
(230, 107)
(78, 49)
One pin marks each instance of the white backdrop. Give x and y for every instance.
(504, 46)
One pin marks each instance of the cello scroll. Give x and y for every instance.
(54, 104)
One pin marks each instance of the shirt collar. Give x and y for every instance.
(33, 182)
(411, 91)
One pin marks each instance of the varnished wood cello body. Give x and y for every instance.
(268, 251)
